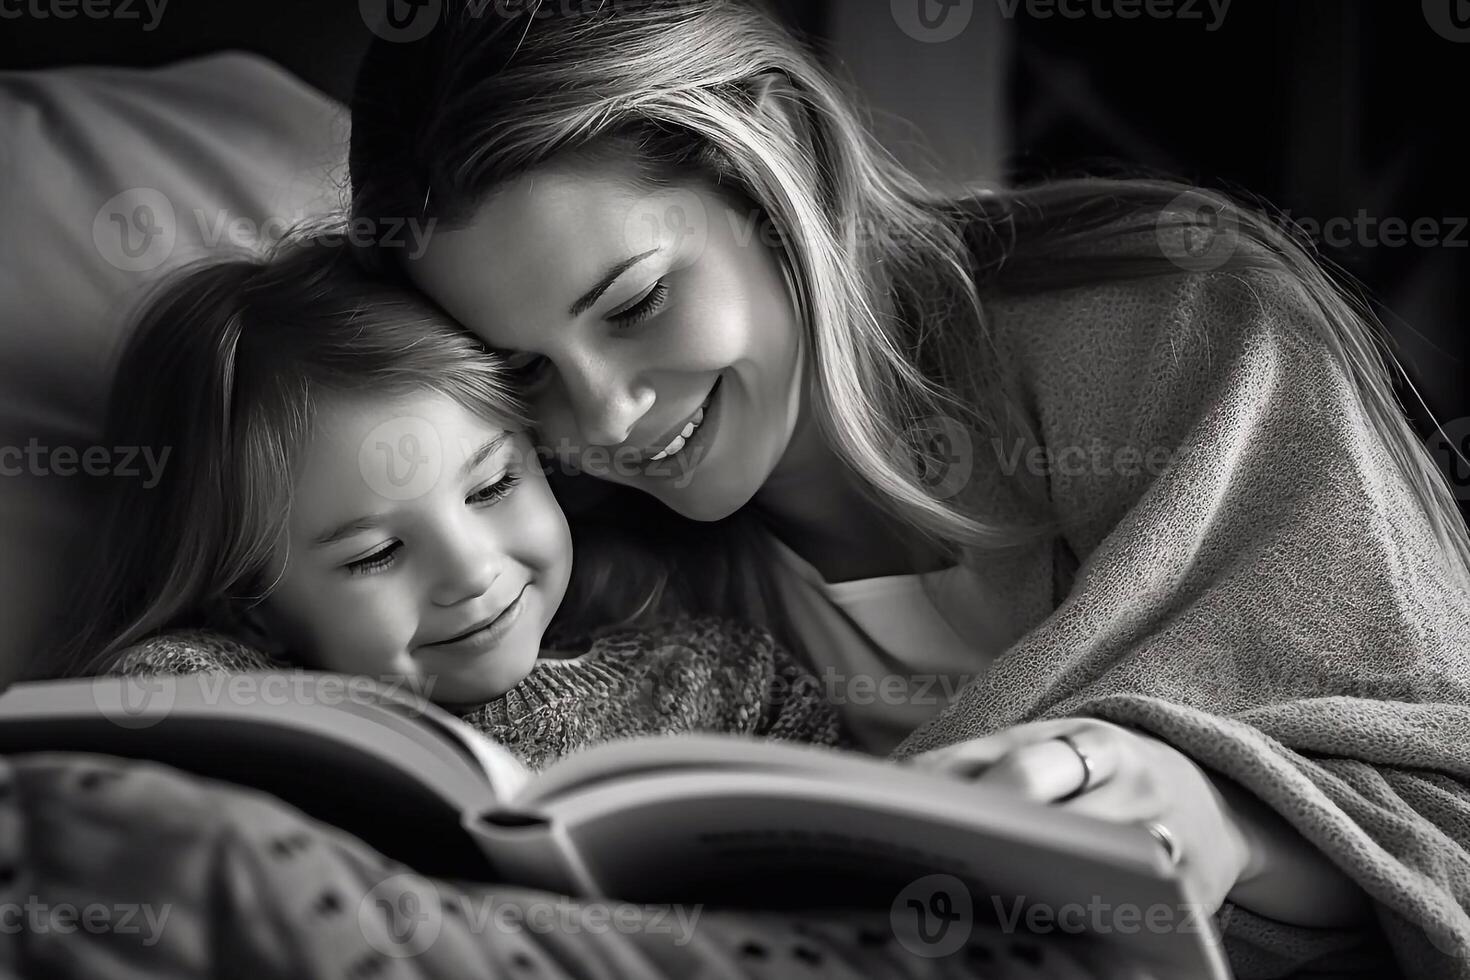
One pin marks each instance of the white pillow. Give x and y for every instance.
(108, 178)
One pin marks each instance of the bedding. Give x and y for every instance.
(114, 868)
(111, 177)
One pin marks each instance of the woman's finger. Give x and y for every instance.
(1080, 752)
(970, 757)
(1043, 771)
(1065, 766)
(1099, 752)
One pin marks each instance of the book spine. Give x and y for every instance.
(528, 851)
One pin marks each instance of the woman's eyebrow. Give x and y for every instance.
(585, 303)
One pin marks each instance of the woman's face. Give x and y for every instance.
(423, 543)
(654, 334)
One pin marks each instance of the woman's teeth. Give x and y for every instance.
(692, 426)
(683, 437)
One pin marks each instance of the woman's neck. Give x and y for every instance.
(814, 503)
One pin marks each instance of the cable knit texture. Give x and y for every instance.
(1264, 595)
(681, 675)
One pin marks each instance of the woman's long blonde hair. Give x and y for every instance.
(892, 274)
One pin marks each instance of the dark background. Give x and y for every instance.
(1322, 108)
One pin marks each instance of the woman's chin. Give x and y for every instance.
(704, 504)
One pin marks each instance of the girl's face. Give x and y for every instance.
(424, 543)
(642, 324)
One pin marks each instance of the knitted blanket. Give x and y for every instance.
(686, 674)
(1253, 584)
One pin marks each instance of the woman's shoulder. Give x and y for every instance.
(1147, 296)
(1123, 274)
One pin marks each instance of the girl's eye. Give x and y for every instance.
(650, 303)
(495, 491)
(375, 562)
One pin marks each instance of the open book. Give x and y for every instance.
(712, 819)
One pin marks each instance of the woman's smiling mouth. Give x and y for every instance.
(695, 424)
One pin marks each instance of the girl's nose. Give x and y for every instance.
(467, 568)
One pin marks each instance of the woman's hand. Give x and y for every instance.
(1134, 779)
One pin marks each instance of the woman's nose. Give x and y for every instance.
(606, 403)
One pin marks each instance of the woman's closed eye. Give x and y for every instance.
(530, 370)
(644, 307)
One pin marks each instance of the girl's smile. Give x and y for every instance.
(451, 581)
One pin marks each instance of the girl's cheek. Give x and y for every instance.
(543, 533)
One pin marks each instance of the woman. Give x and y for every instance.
(1107, 477)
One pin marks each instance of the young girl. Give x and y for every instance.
(1118, 449)
(350, 487)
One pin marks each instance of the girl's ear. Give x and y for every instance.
(781, 103)
(252, 622)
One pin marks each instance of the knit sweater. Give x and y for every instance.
(680, 675)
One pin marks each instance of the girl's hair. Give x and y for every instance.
(224, 372)
(891, 274)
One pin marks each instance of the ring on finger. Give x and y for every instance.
(1089, 770)
(1167, 840)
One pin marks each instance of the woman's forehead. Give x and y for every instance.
(533, 247)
